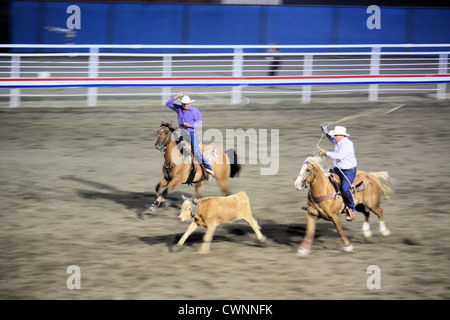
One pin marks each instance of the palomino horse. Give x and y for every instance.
(326, 203)
(177, 167)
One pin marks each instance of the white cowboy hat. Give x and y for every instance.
(186, 100)
(339, 131)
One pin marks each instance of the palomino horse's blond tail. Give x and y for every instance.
(387, 188)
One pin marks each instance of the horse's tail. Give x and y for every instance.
(387, 187)
(235, 167)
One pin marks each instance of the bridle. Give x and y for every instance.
(309, 174)
(164, 143)
(310, 196)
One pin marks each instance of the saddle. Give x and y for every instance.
(357, 185)
(186, 150)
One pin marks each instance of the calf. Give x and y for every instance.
(213, 211)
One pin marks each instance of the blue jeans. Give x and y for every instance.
(197, 154)
(346, 186)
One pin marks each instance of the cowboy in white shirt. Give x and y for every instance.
(345, 160)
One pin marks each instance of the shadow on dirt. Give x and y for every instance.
(137, 202)
(279, 234)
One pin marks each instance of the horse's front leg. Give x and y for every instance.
(337, 223)
(171, 185)
(161, 184)
(198, 189)
(305, 247)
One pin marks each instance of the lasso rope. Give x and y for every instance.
(364, 114)
(316, 152)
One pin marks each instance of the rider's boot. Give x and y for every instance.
(210, 173)
(349, 214)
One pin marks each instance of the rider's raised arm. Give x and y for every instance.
(172, 105)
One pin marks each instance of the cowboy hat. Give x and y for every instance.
(339, 131)
(186, 100)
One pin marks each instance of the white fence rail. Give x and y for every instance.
(93, 71)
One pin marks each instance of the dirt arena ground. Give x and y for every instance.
(75, 183)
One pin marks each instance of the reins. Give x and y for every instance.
(165, 140)
(167, 167)
(178, 162)
(319, 198)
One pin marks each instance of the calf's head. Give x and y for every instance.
(188, 208)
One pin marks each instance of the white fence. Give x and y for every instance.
(139, 70)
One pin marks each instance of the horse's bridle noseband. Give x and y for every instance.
(309, 174)
(164, 143)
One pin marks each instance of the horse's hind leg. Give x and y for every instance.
(223, 184)
(379, 212)
(383, 229)
(365, 226)
(198, 190)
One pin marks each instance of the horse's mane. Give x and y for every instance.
(318, 160)
(168, 125)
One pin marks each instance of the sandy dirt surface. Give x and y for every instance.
(75, 183)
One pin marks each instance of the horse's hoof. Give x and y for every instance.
(302, 252)
(367, 233)
(166, 203)
(383, 229)
(366, 230)
(348, 248)
(153, 208)
(263, 239)
(178, 247)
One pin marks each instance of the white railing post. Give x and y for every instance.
(442, 87)
(307, 72)
(166, 73)
(14, 94)
(374, 70)
(240, 60)
(237, 72)
(93, 73)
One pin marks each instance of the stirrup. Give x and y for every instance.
(210, 171)
(349, 214)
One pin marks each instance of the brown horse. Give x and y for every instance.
(327, 203)
(177, 167)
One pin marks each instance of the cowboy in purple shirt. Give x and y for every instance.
(190, 118)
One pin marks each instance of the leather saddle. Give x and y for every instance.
(357, 185)
(185, 148)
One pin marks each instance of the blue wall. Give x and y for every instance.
(118, 23)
